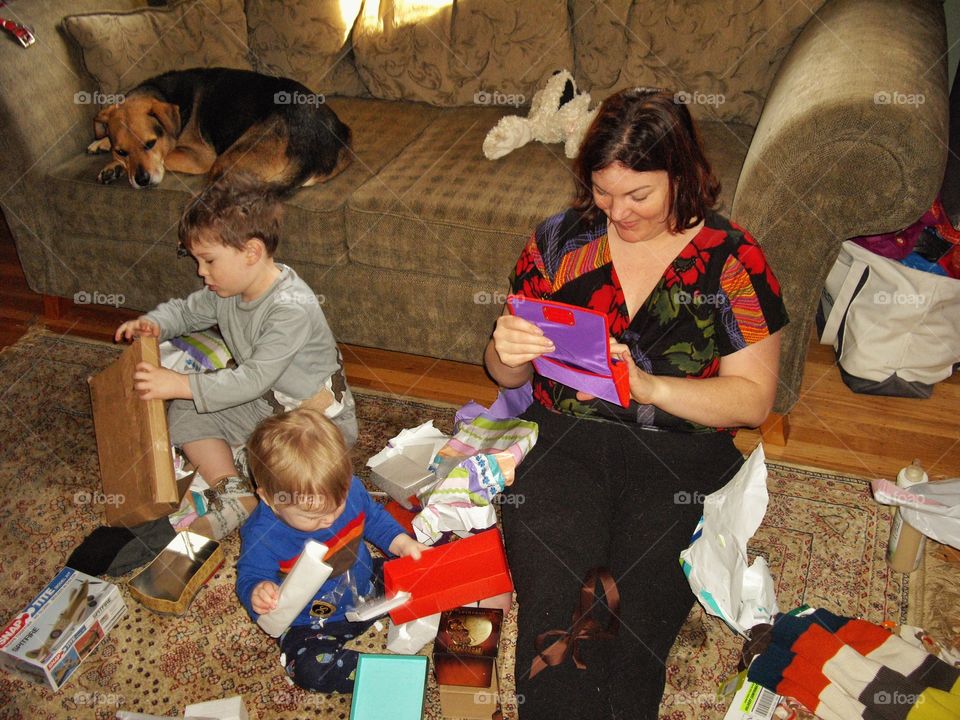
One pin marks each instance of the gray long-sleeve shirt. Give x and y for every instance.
(280, 341)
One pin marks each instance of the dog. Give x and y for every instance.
(216, 120)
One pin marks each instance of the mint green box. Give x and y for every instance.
(389, 686)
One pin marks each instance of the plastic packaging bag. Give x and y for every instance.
(933, 508)
(716, 561)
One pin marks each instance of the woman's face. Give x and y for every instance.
(636, 203)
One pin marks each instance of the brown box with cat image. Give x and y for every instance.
(465, 651)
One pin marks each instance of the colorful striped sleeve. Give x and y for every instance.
(752, 309)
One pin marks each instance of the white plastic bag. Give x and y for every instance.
(933, 508)
(716, 561)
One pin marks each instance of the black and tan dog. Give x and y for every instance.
(217, 120)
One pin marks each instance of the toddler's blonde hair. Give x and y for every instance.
(300, 458)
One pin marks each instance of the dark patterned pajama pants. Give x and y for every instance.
(316, 660)
(314, 657)
(603, 494)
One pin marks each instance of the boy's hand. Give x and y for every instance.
(404, 545)
(154, 382)
(141, 327)
(264, 597)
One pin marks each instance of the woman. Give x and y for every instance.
(695, 311)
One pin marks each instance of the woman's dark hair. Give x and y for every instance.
(646, 129)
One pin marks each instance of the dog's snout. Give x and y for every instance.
(141, 177)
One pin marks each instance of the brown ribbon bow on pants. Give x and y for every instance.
(584, 627)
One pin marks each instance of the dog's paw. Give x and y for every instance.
(99, 146)
(111, 173)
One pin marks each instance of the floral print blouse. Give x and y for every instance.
(716, 297)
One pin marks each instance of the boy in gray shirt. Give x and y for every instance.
(274, 327)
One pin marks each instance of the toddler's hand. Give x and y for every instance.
(141, 327)
(404, 545)
(264, 597)
(157, 382)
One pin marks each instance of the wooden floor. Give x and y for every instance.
(830, 428)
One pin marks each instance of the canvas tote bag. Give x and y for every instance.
(896, 330)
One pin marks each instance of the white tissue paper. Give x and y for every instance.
(409, 638)
(422, 435)
(716, 561)
(309, 573)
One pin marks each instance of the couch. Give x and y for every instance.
(823, 119)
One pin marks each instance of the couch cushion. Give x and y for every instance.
(442, 208)
(726, 145)
(446, 54)
(121, 50)
(307, 40)
(313, 223)
(721, 55)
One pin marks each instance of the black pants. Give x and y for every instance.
(600, 494)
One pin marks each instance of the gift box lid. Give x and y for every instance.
(389, 686)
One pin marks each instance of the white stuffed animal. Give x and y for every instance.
(557, 114)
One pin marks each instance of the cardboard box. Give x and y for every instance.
(136, 465)
(389, 686)
(402, 478)
(448, 576)
(466, 648)
(470, 703)
(49, 639)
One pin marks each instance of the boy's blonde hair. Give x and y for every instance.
(300, 458)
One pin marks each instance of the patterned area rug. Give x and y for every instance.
(823, 537)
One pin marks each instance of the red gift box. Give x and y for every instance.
(449, 576)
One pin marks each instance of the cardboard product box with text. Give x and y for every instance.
(49, 638)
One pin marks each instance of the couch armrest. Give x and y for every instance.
(852, 141)
(41, 121)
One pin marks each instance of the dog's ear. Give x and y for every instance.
(101, 120)
(167, 115)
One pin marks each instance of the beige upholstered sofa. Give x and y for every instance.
(824, 120)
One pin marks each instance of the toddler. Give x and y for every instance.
(305, 480)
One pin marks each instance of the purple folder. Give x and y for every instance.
(582, 359)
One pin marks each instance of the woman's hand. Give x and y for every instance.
(153, 382)
(518, 341)
(643, 385)
(404, 545)
(264, 597)
(141, 327)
